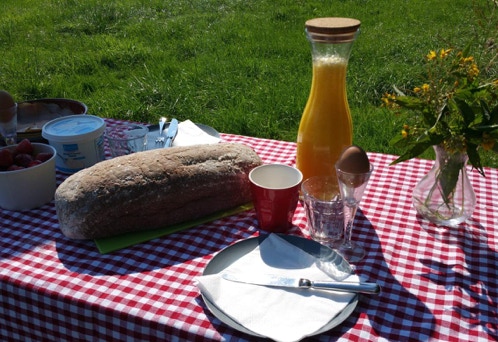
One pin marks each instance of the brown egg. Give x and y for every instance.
(354, 160)
(6, 101)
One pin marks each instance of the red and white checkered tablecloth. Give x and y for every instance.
(438, 284)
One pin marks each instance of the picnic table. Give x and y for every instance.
(437, 283)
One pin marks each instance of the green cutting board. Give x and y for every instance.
(114, 243)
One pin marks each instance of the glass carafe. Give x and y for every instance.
(326, 125)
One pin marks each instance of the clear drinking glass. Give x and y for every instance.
(324, 209)
(127, 138)
(352, 186)
(8, 125)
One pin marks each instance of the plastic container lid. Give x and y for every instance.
(73, 127)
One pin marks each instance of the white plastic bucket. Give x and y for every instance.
(78, 140)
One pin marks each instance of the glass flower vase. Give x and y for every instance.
(445, 195)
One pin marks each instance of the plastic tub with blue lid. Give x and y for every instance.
(78, 140)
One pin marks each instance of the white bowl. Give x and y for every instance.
(31, 187)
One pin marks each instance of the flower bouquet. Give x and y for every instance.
(456, 113)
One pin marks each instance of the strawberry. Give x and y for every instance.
(15, 167)
(34, 162)
(24, 147)
(23, 159)
(43, 156)
(6, 158)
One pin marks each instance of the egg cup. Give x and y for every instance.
(352, 186)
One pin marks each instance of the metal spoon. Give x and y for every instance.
(160, 138)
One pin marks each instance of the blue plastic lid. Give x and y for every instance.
(73, 127)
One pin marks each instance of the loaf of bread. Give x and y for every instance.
(154, 189)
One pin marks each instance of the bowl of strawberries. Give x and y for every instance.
(27, 175)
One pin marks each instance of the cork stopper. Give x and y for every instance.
(332, 29)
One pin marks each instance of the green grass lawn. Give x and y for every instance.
(243, 67)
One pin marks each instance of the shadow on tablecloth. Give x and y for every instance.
(396, 314)
(82, 256)
(471, 276)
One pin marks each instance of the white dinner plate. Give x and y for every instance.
(154, 133)
(234, 252)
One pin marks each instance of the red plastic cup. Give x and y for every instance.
(275, 192)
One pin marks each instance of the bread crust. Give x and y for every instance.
(154, 189)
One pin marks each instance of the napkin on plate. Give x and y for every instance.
(277, 313)
(190, 134)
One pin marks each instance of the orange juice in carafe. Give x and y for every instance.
(326, 125)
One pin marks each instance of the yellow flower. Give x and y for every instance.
(405, 131)
(467, 64)
(475, 68)
(473, 71)
(385, 99)
(469, 59)
(388, 100)
(444, 53)
(432, 55)
(425, 87)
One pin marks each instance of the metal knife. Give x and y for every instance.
(171, 134)
(302, 283)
